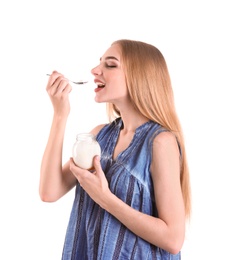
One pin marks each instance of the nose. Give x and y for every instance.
(96, 70)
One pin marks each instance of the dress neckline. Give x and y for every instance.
(138, 133)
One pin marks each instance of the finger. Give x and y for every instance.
(64, 86)
(97, 165)
(72, 168)
(53, 78)
(72, 165)
(58, 86)
(77, 171)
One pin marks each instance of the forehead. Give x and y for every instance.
(112, 51)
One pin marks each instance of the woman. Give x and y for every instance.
(135, 202)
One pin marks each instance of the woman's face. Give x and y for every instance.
(110, 78)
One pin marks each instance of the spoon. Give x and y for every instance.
(75, 82)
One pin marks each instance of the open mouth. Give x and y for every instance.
(100, 85)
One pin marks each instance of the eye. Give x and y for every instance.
(110, 65)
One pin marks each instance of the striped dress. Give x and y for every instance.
(93, 233)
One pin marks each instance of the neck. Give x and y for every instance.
(131, 121)
(131, 117)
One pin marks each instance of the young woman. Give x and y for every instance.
(135, 203)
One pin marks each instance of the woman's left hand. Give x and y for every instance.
(94, 183)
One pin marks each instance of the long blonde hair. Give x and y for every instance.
(150, 90)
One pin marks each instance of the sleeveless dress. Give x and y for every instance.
(93, 233)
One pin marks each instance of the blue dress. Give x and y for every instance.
(92, 232)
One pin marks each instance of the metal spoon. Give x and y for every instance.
(75, 82)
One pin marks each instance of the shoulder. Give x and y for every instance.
(165, 138)
(107, 126)
(97, 129)
(165, 151)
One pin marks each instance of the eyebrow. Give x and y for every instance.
(110, 58)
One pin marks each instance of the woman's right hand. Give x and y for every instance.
(58, 88)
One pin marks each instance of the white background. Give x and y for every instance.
(198, 40)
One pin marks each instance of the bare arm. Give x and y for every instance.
(166, 231)
(56, 180)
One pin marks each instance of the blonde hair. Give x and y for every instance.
(150, 90)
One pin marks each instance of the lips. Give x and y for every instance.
(99, 83)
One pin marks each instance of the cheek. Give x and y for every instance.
(122, 91)
(119, 82)
(123, 87)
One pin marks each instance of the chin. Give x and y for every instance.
(99, 100)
